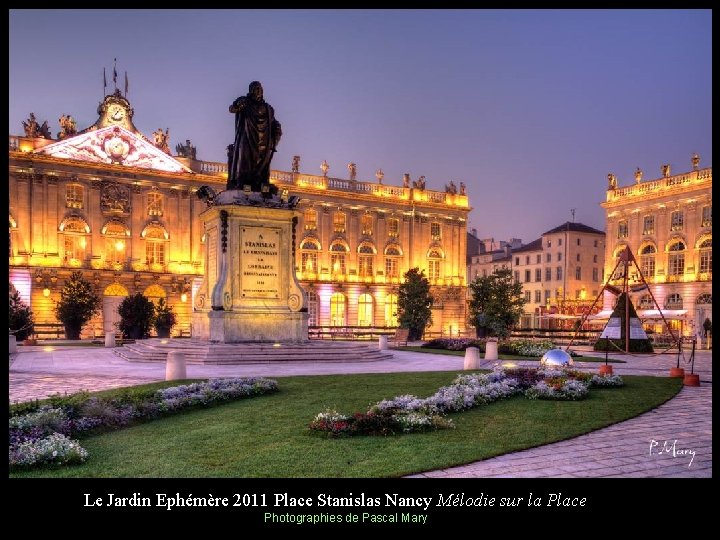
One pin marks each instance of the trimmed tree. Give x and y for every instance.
(164, 320)
(78, 304)
(496, 303)
(136, 316)
(414, 303)
(20, 317)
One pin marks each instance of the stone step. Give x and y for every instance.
(198, 352)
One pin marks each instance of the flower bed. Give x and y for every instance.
(519, 347)
(408, 413)
(42, 436)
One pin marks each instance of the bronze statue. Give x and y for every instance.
(665, 169)
(257, 135)
(186, 150)
(352, 170)
(638, 175)
(161, 139)
(296, 164)
(68, 127)
(406, 180)
(33, 129)
(695, 162)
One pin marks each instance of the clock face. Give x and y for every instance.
(116, 113)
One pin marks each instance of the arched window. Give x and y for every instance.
(74, 196)
(339, 222)
(156, 238)
(337, 309)
(676, 258)
(74, 240)
(366, 260)
(116, 234)
(115, 289)
(391, 307)
(155, 203)
(365, 310)
(647, 260)
(393, 225)
(154, 293)
(705, 248)
(366, 224)
(310, 219)
(309, 256)
(646, 302)
(393, 253)
(435, 257)
(312, 308)
(705, 298)
(674, 301)
(338, 251)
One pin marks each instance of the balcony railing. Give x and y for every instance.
(661, 184)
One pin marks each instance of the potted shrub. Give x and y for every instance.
(164, 320)
(20, 317)
(78, 304)
(136, 316)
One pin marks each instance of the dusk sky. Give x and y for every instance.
(531, 109)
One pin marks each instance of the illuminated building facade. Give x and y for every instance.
(119, 207)
(667, 223)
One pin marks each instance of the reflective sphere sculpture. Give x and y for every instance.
(556, 358)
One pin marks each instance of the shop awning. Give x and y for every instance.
(601, 315)
(667, 313)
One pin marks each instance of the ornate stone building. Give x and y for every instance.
(116, 205)
(667, 223)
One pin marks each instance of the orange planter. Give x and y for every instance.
(606, 370)
(692, 379)
(677, 372)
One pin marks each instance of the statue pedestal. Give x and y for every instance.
(250, 292)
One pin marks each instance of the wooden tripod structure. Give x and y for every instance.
(625, 258)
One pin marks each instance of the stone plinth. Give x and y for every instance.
(12, 344)
(383, 343)
(472, 358)
(491, 352)
(250, 292)
(110, 339)
(175, 368)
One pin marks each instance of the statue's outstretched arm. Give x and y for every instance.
(238, 105)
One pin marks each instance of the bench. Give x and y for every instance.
(401, 337)
(48, 330)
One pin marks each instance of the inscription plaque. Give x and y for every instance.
(259, 262)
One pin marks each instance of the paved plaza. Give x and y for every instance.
(673, 440)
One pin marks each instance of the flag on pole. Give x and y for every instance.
(126, 84)
(104, 81)
(115, 73)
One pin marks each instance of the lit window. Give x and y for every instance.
(74, 196)
(391, 267)
(339, 222)
(646, 302)
(154, 206)
(677, 220)
(435, 231)
(527, 297)
(676, 259)
(73, 249)
(366, 265)
(312, 309)
(674, 301)
(547, 296)
(393, 227)
(366, 224)
(309, 262)
(706, 256)
(622, 231)
(337, 263)
(310, 219)
(155, 253)
(649, 225)
(391, 302)
(538, 297)
(433, 270)
(647, 261)
(365, 310)
(704, 298)
(706, 216)
(337, 309)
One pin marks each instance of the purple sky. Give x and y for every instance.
(531, 109)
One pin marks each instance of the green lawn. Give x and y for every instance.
(507, 356)
(267, 436)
